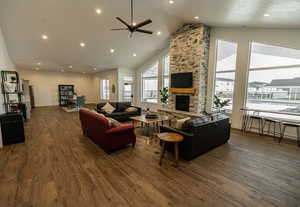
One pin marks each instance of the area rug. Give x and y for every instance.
(66, 109)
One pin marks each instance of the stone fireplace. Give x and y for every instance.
(189, 51)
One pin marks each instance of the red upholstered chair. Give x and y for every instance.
(97, 128)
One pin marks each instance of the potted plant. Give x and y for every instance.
(219, 104)
(164, 93)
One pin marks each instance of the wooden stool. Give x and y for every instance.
(170, 137)
(294, 125)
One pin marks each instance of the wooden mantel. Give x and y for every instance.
(183, 90)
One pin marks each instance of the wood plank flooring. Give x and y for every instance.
(58, 166)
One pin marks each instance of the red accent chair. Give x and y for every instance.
(97, 128)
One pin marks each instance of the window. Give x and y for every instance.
(274, 79)
(225, 71)
(105, 89)
(166, 68)
(150, 84)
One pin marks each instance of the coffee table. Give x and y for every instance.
(148, 122)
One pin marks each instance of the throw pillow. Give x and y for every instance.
(108, 108)
(131, 109)
(180, 122)
(112, 122)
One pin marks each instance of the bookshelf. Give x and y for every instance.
(66, 92)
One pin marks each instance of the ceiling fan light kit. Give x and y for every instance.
(131, 27)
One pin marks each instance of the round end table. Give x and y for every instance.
(170, 137)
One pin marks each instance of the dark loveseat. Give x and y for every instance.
(119, 114)
(201, 135)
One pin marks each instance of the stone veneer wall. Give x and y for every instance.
(189, 51)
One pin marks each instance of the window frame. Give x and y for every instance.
(229, 111)
(264, 68)
(163, 71)
(156, 63)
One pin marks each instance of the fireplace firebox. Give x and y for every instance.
(182, 103)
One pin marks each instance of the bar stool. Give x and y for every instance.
(293, 125)
(251, 118)
(269, 122)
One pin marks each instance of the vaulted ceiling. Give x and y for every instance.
(67, 23)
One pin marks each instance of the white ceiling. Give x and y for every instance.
(69, 22)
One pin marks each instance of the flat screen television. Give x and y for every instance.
(182, 80)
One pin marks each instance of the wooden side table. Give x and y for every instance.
(170, 137)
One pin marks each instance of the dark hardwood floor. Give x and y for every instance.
(58, 166)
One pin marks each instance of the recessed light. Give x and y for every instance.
(196, 17)
(158, 33)
(98, 11)
(171, 2)
(134, 55)
(112, 50)
(36, 68)
(82, 44)
(267, 15)
(39, 63)
(133, 23)
(45, 37)
(71, 66)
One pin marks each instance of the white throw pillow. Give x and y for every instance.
(131, 109)
(108, 108)
(180, 122)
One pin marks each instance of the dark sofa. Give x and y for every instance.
(119, 114)
(202, 135)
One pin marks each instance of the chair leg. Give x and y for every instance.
(274, 130)
(251, 122)
(162, 152)
(176, 154)
(260, 127)
(298, 136)
(282, 134)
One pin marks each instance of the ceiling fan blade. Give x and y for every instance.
(144, 31)
(119, 29)
(121, 20)
(148, 21)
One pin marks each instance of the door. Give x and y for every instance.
(127, 92)
(31, 94)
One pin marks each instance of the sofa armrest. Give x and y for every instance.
(170, 129)
(120, 129)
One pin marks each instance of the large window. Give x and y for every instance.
(166, 68)
(150, 84)
(274, 78)
(225, 71)
(104, 89)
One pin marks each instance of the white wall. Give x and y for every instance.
(45, 85)
(244, 36)
(5, 64)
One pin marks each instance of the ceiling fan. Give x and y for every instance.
(131, 27)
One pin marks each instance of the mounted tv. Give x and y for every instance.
(182, 80)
